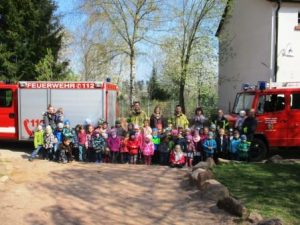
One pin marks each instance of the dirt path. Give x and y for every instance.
(43, 192)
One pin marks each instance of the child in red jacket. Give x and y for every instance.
(177, 158)
(133, 147)
(148, 150)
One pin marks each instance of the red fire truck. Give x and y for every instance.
(23, 104)
(277, 109)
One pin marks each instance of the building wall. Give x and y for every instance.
(289, 44)
(245, 48)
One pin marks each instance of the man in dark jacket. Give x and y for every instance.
(220, 121)
(249, 125)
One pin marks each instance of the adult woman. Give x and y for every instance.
(199, 119)
(157, 120)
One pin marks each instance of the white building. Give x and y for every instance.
(248, 36)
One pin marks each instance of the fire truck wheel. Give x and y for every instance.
(258, 150)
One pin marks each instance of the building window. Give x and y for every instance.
(299, 17)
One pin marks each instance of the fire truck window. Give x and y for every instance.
(5, 98)
(295, 101)
(271, 103)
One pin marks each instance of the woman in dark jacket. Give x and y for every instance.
(157, 120)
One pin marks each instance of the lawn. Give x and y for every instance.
(273, 190)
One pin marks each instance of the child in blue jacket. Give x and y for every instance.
(209, 146)
(233, 145)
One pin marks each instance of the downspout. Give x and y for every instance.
(276, 39)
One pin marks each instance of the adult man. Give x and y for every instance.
(179, 119)
(49, 117)
(137, 116)
(220, 121)
(249, 125)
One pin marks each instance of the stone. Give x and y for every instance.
(233, 206)
(274, 159)
(213, 190)
(224, 161)
(270, 222)
(254, 217)
(4, 179)
(200, 165)
(203, 176)
(210, 163)
(194, 175)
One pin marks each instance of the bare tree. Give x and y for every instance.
(128, 21)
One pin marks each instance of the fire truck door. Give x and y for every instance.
(273, 118)
(294, 120)
(8, 112)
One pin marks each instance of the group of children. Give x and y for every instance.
(137, 144)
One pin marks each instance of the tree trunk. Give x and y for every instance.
(132, 77)
(181, 96)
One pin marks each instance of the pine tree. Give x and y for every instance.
(27, 29)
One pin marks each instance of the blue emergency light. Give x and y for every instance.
(262, 85)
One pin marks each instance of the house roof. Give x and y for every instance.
(227, 8)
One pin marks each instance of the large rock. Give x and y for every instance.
(213, 190)
(233, 206)
(194, 175)
(270, 222)
(203, 176)
(274, 159)
(208, 164)
(4, 179)
(254, 217)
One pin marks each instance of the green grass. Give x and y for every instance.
(273, 190)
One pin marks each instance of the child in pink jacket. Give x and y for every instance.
(148, 150)
(114, 145)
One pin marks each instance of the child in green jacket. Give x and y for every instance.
(38, 141)
(243, 149)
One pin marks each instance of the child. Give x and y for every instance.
(75, 143)
(190, 151)
(99, 145)
(64, 150)
(49, 141)
(156, 141)
(147, 128)
(233, 145)
(59, 137)
(69, 133)
(114, 145)
(124, 150)
(181, 141)
(59, 116)
(209, 146)
(213, 129)
(222, 145)
(120, 131)
(133, 147)
(90, 150)
(148, 150)
(240, 120)
(177, 157)
(243, 149)
(82, 144)
(198, 147)
(38, 142)
(164, 150)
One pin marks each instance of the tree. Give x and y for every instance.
(190, 19)
(128, 22)
(155, 91)
(28, 29)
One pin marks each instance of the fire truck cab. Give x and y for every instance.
(22, 105)
(277, 109)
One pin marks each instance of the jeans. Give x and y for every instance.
(98, 156)
(82, 153)
(164, 158)
(133, 159)
(114, 156)
(36, 151)
(124, 157)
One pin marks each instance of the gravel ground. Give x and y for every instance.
(42, 192)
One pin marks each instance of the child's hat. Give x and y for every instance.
(210, 134)
(118, 122)
(243, 137)
(148, 137)
(174, 132)
(213, 127)
(136, 127)
(189, 137)
(154, 130)
(67, 122)
(60, 125)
